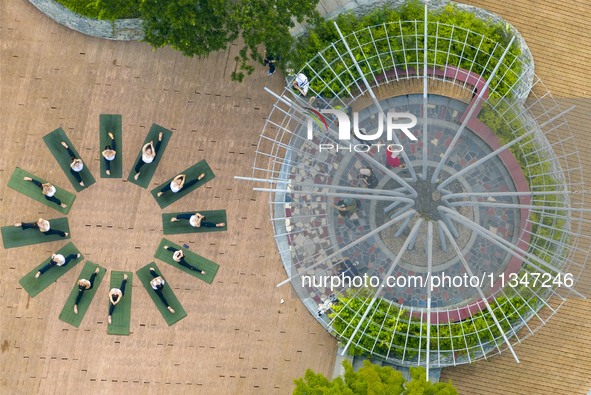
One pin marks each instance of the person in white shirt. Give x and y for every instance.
(56, 260)
(43, 226)
(149, 152)
(115, 296)
(178, 183)
(47, 190)
(301, 84)
(157, 284)
(76, 165)
(179, 257)
(109, 153)
(197, 220)
(84, 285)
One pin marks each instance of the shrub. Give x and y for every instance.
(104, 9)
(389, 37)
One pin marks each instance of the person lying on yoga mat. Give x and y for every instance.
(47, 190)
(179, 257)
(56, 260)
(84, 285)
(197, 220)
(178, 183)
(76, 165)
(109, 153)
(157, 284)
(149, 152)
(115, 296)
(43, 226)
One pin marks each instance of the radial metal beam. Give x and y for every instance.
(500, 149)
(364, 155)
(429, 271)
(425, 105)
(373, 96)
(344, 195)
(374, 99)
(401, 252)
(518, 206)
(371, 191)
(483, 159)
(470, 113)
(501, 194)
(350, 245)
(478, 289)
(508, 247)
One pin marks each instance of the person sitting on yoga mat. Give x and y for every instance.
(56, 260)
(115, 296)
(179, 257)
(84, 285)
(178, 183)
(149, 152)
(47, 190)
(109, 154)
(197, 220)
(76, 165)
(157, 284)
(43, 226)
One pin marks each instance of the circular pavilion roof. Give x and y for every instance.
(433, 264)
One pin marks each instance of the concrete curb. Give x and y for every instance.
(121, 29)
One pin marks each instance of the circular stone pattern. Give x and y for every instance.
(375, 256)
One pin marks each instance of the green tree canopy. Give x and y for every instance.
(194, 27)
(371, 379)
(199, 27)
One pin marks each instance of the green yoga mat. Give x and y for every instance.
(14, 236)
(147, 171)
(111, 123)
(145, 277)
(122, 313)
(183, 226)
(53, 141)
(31, 190)
(34, 286)
(191, 173)
(211, 268)
(67, 314)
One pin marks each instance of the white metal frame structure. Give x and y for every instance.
(469, 205)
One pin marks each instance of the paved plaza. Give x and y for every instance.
(238, 337)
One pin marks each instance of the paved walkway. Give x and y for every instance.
(238, 337)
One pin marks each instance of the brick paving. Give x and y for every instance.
(53, 77)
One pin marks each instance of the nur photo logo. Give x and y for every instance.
(391, 121)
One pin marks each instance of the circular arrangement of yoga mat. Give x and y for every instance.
(13, 236)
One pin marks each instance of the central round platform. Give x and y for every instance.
(375, 255)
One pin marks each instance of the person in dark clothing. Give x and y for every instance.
(179, 183)
(47, 190)
(149, 152)
(157, 284)
(367, 177)
(56, 260)
(179, 257)
(109, 153)
(84, 285)
(197, 220)
(76, 166)
(270, 60)
(115, 296)
(43, 226)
